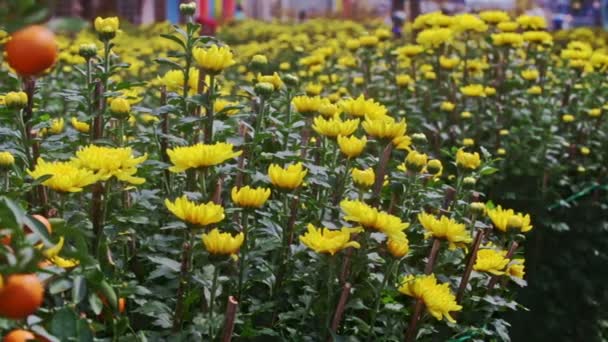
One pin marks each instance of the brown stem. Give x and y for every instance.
(380, 172)
(510, 253)
(335, 324)
(164, 126)
(217, 195)
(428, 269)
(346, 266)
(292, 218)
(410, 334)
(470, 263)
(98, 121)
(305, 137)
(231, 309)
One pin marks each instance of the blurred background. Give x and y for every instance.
(559, 13)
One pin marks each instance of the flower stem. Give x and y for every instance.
(387, 275)
(244, 251)
(210, 95)
(470, 263)
(212, 301)
(183, 282)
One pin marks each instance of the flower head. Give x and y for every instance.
(197, 214)
(505, 219)
(324, 240)
(65, 176)
(80, 126)
(467, 160)
(334, 126)
(398, 249)
(16, 99)
(250, 197)
(437, 298)
(213, 59)
(351, 146)
(174, 80)
(110, 162)
(6, 158)
(445, 228)
(384, 128)
(507, 39)
(363, 178)
(273, 79)
(491, 261)
(287, 178)
(307, 104)
(200, 155)
(516, 268)
(473, 90)
(361, 107)
(416, 161)
(434, 37)
(221, 105)
(106, 26)
(222, 243)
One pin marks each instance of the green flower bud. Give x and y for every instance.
(469, 181)
(187, 9)
(87, 50)
(264, 89)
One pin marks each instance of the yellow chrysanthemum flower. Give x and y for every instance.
(361, 107)
(213, 59)
(15, 99)
(447, 106)
(469, 23)
(530, 74)
(222, 243)
(398, 249)
(328, 109)
(287, 178)
(491, 261)
(445, 228)
(334, 126)
(435, 37)
(416, 161)
(174, 81)
(437, 298)
(273, 79)
(351, 146)
(197, 214)
(516, 268)
(533, 22)
(220, 105)
(52, 254)
(111, 162)
(473, 90)
(384, 128)
(65, 176)
(80, 126)
(324, 240)
(6, 158)
(200, 155)
(372, 218)
(364, 178)
(249, 197)
(494, 17)
(505, 219)
(507, 38)
(307, 104)
(106, 25)
(467, 160)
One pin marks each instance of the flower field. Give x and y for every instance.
(310, 182)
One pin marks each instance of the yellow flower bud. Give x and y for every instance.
(120, 106)
(16, 99)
